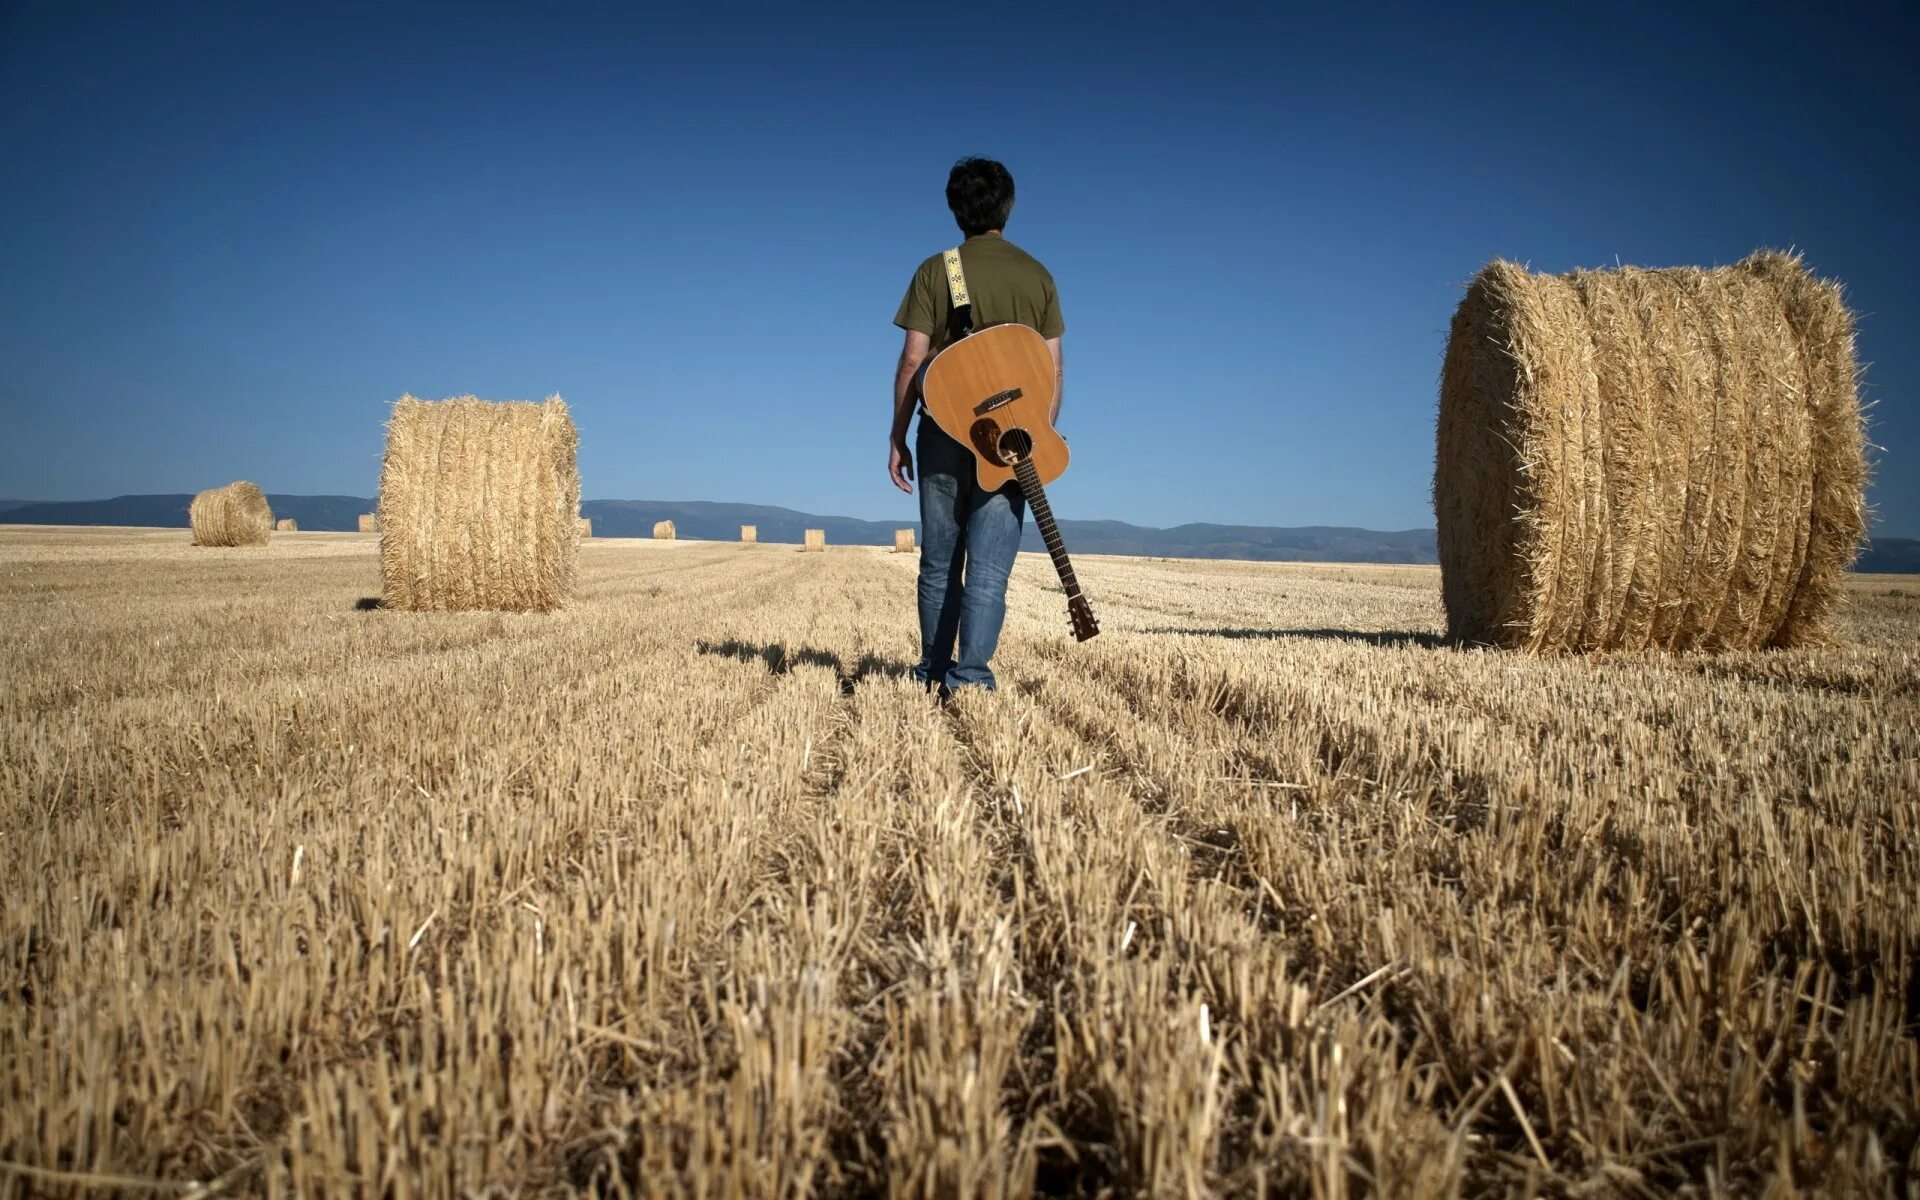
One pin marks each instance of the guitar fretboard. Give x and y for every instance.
(1029, 477)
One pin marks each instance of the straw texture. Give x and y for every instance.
(749, 533)
(903, 541)
(663, 531)
(478, 504)
(816, 540)
(369, 523)
(234, 515)
(585, 527)
(286, 525)
(1634, 458)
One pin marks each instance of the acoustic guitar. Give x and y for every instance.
(993, 391)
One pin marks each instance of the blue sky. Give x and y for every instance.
(231, 235)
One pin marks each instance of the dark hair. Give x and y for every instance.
(980, 193)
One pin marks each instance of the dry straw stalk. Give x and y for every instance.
(234, 515)
(903, 541)
(663, 531)
(1637, 458)
(816, 540)
(749, 533)
(478, 503)
(286, 525)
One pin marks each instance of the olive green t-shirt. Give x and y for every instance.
(1007, 285)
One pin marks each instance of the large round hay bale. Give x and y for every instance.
(286, 525)
(585, 526)
(663, 531)
(816, 540)
(478, 503)
(234, 515)
(1648, 458)
(903, 541)
(749, 533)
(369, 523)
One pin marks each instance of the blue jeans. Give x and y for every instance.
(962, 528)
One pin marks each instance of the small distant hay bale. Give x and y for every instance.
(478, 503)
(286, 525)
(1637, 458)
(369, 523)
(234, 515)
(585, 526)
(816, 540)
(903, 541)
(749, 533)
(663, 531)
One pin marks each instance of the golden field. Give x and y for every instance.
(686, 890)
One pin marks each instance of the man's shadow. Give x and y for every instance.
(780, 659)
(1390, 637)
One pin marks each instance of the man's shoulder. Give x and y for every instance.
(1026, 259)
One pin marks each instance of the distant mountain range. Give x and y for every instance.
(708, 520)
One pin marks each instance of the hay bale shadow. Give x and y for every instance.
(1373, 637)
(369, 604)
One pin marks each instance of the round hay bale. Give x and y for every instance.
(663, 531)
(749, 533)
(816, 540)
(234, 515)
(903, 541)
(585, 527)
(369, 523)
(1637, 458)
(478, 503)
(286, 525)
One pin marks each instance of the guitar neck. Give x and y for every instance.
(1029, 477)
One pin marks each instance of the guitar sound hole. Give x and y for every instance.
(1015, 444)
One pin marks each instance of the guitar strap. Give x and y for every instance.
(961, 320)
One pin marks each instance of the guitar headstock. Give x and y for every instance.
(1080, 614)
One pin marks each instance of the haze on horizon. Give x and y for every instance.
(233, 235)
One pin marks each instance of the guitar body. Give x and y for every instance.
(993, 392)
(993, 382)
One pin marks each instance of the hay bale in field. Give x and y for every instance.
(477, 505)
(585, 526)
(234, 515)
(749, 533)
(1648, 458)
(286, 525)
(663, 531)
(816, 540)
(903, 541)
(369, 523)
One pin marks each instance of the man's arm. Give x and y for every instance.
(1059, 379)
(913, 352)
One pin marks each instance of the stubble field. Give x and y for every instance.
(687, 890)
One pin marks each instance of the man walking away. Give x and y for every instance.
(970, 536)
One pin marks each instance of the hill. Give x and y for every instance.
(707, 520)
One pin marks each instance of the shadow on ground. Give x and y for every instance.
(1376, 637)
(369, 604)
(781, 659)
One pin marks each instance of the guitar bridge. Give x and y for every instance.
(995, 401)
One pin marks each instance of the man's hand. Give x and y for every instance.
(900, 465)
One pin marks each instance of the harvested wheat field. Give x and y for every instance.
(685, 889)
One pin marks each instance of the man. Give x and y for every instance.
(969, 536)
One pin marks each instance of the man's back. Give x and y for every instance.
(1007, 286)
